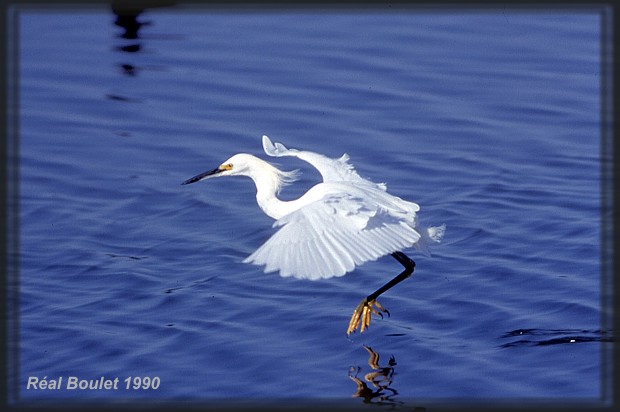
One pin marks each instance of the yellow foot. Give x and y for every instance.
(361, 314)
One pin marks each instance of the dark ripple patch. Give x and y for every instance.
(112, 255)
(545, 337)
(121, 98)
(195, 283)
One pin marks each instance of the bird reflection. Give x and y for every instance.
(380, 380)
(127, 19)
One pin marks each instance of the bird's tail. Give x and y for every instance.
(432, 234)
(435, 233)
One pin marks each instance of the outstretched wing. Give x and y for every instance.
(333, 235)
(332, 170)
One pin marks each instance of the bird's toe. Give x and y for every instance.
(362, 315)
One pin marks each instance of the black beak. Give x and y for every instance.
(203, 176)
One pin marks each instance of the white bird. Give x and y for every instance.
(335, 226)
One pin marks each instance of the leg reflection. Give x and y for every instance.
(380, 378)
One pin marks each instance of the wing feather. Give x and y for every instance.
(321, 240)
(332, 170)
(343, 261)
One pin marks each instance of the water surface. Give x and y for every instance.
(489, 119)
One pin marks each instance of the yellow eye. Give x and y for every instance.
(228, 166)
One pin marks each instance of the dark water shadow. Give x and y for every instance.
(545, 337)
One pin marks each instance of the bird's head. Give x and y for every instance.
(239, 165)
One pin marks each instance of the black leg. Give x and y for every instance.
(365, 308)
(409, 267)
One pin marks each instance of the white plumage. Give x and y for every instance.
(335, 226)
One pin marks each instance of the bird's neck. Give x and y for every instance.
(266, 194)
(272, 206)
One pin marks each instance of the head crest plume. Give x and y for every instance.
(284, 178)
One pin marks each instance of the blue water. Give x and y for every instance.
(490, 119)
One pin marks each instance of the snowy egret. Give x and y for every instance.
(335, 226)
